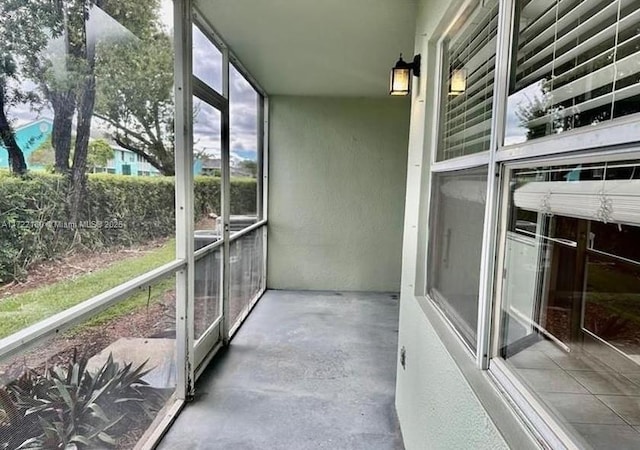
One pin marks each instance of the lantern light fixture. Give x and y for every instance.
(400, 80)
(458, 81)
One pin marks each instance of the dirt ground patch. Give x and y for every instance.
(156, 320)
(74, 265)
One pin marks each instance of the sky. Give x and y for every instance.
(207, 66)
(516, 132)
(243, 106)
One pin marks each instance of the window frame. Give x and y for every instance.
(436, 298)
(221, 330)
(616, 139)
(472, 161)
(549, 429)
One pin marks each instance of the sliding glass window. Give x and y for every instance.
(570, 328)
(468, 58)
(574, 64)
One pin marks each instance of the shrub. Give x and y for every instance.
(119, 211)
(244, 196)
(128, 210)
(26, 205)
(207, 196)
(74, 408)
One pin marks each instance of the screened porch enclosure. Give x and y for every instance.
(332, 172)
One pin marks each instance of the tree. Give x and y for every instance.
(250, 166)
(22, 38)
(60, 49)
(65, 71)
(16, 157)
(135, 98)
(100, 152)
(44, 155)
(80, 31)
(138, 19)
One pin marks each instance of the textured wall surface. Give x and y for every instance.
(336, 192)
(436, 406)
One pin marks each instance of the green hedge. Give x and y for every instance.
(120, 210)
(26, 206)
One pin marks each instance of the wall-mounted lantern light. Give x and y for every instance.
(458, 82)
(400, 82)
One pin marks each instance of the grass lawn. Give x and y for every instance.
(27, 308)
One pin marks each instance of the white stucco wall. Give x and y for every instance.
(336, 192)
(436, 406)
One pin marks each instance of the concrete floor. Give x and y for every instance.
(307, 370)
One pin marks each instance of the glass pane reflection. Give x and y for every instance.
(570, 326)
(574, 65)
(467, 99)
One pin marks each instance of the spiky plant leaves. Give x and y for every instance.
(73, 407)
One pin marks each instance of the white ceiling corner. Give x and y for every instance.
(316, 47)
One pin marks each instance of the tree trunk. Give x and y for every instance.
(64, 105)
(16, 157)
(83, 130)
(85, 49)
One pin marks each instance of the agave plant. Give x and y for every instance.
(72, 407)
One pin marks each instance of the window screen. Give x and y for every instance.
(456, 243)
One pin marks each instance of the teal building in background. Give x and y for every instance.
(125, 162)
(32, 135)
(29, 137)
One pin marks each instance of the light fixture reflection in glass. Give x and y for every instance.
(458, 82)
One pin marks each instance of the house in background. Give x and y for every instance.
(207, 166)
(212, 165)
(32, 135)
(29, 137)
(126, 162)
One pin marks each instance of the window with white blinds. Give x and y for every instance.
(575, 63)
(469, 55)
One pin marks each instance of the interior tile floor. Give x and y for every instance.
(307, 370)
(596, 400)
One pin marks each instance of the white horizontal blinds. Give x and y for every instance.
(579, 61)
(614, 198)
(466, 119)
(627, 83)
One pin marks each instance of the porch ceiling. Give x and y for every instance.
(316, 47)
